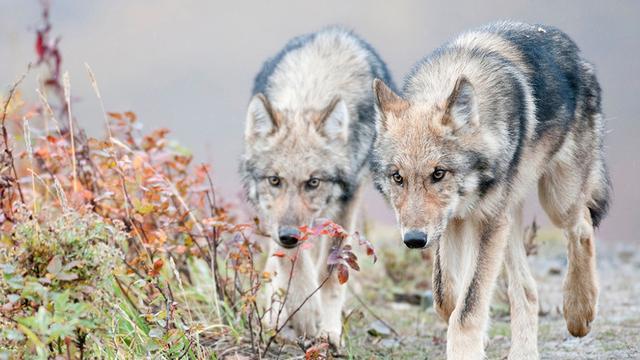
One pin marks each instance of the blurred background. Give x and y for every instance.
(189, 65)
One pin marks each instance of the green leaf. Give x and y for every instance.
(15, 282)
(35, 291)
(142, 207)
(31, 336)
(60, 301)
(60, 331)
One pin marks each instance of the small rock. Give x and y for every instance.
(409, 298)
(423, 299)
(389, 343)
(626, 255)
(426, 299)
(379, 329)
(554, 270)
(400, 306)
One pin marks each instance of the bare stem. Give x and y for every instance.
(5, 133)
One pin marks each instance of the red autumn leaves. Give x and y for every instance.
(341, 257)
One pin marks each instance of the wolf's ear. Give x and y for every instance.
(333, 121)
(461, 107)
(387, 102)
(260, 118)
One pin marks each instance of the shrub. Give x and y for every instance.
(55, 285)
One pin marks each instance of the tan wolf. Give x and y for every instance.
(309, 131)
(479, 123)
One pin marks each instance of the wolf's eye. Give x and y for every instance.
(274, 181)
(438, 174)
(397, 178)
(312, 184)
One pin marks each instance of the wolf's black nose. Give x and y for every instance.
(288, 236)
(415, 239)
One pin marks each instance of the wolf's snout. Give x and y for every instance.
(415, 239)
(289, 236)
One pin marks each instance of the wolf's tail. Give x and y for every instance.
(600, 197)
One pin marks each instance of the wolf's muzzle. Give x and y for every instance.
(288, 236)
(415, 239)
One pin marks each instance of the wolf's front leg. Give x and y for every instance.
(468, 322)
(446, 264)
(333, 297)
(301, 282)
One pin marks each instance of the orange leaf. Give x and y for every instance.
(115, 115)
(343, 273)
(157, 265)
(131, 115)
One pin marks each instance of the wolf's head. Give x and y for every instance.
(429, 158)
(295, 165)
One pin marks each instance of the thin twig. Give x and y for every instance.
(371, 312)
(67, 96)
(126, 295)
(5, 134)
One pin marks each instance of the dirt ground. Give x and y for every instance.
(416, 332)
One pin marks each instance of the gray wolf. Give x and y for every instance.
(309, 131)
(479, 122)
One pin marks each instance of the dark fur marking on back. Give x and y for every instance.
(553, 60)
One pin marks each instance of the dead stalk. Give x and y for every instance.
(72, 134)
(5, 133)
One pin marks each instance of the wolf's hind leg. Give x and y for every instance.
(564, 197)
(523, 295)
(581, 282)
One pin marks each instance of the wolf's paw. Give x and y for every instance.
(334, 337)
(307, 327)
(579, 311)
(523, 353)
(578, 327)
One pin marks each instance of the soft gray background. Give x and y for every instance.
(189, 65)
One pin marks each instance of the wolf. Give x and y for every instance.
(478, 124)
(309, 130)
